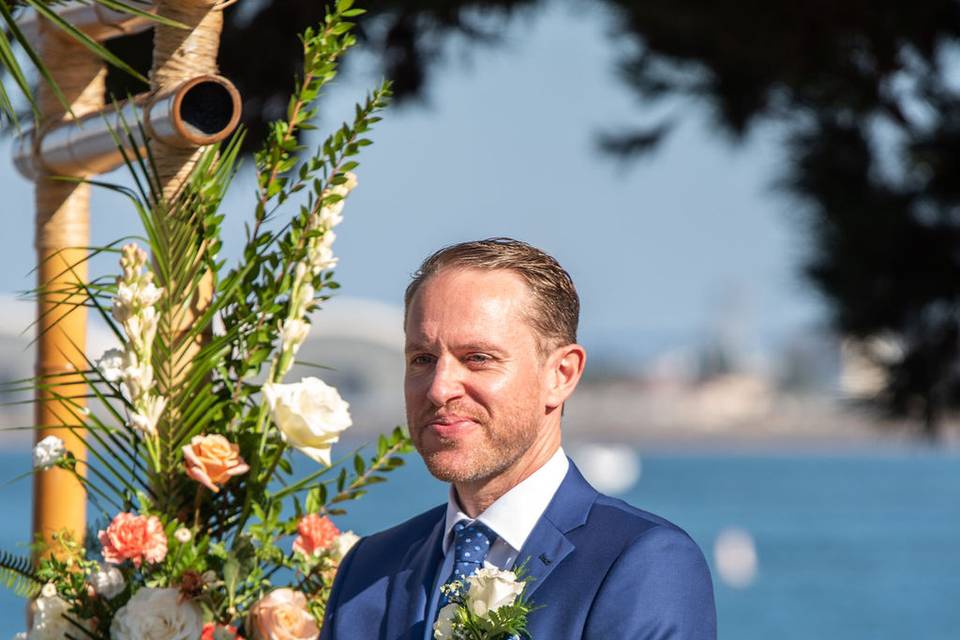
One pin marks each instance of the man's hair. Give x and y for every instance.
(555, 308)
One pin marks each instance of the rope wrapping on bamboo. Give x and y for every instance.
(179, 55)
(62, 207)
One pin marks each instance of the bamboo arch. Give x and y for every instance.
(73, 143)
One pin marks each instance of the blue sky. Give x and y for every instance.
(661, 251)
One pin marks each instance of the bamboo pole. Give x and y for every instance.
(62, 230)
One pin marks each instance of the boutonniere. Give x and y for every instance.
(490, 606)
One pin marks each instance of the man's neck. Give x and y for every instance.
(475, 497)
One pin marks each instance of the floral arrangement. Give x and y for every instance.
(490, 606)
(192, 442)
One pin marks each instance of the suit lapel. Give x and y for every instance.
(410, 596)
(548, 544)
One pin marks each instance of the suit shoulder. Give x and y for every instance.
(625, 525)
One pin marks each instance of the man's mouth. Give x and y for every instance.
(450, 425)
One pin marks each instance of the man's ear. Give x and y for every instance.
(564, 368)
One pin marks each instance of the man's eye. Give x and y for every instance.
(421, 359)
(478, 358)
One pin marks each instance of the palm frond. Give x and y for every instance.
(17, 574)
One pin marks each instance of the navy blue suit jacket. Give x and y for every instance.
(601, 570)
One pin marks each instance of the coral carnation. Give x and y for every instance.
(316, 535)
(133, 537)
(210, 629)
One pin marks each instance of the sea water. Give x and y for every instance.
(861, 546)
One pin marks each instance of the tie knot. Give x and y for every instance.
(471, 542)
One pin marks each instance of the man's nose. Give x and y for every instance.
(446, 383)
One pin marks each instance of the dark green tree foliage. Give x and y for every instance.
(872, 158)
(861, 86)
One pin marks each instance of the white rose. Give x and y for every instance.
(157, 613)
(489, 589)
(108, 581)
(111, 364)
(48, 620)
(310, 415)
(344, 543)
(48, 452)
(443, 627)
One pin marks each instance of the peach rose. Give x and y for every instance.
(212, 460)
(133, 537)
(316, 535)
(282, 615)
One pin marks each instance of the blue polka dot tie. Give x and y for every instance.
(471, 543)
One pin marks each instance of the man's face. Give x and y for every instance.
(474, 377)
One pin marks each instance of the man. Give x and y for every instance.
(491, 356)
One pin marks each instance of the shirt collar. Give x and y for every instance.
(514, 514)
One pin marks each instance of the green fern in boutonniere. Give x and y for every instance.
(491, 606)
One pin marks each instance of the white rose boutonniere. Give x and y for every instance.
(489, 589)
(490, 606)
(310, 415)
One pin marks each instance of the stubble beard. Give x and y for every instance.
(499, 449)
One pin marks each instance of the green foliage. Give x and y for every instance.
(224, 543)
(18, 575)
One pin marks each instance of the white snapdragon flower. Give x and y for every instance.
(157, 613)
(48, 452)
(310, 415)
(138, 378)
(306, 294)
(145, 421)
(321, 257)
(293, 333)
(111, 364)
(489, 588)
(149, 295)
(108, 581)
(332, 215)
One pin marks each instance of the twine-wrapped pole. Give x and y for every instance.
(62, 232)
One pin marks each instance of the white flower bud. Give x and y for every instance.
(183, 535)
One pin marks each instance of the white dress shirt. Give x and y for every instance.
(512, 517)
